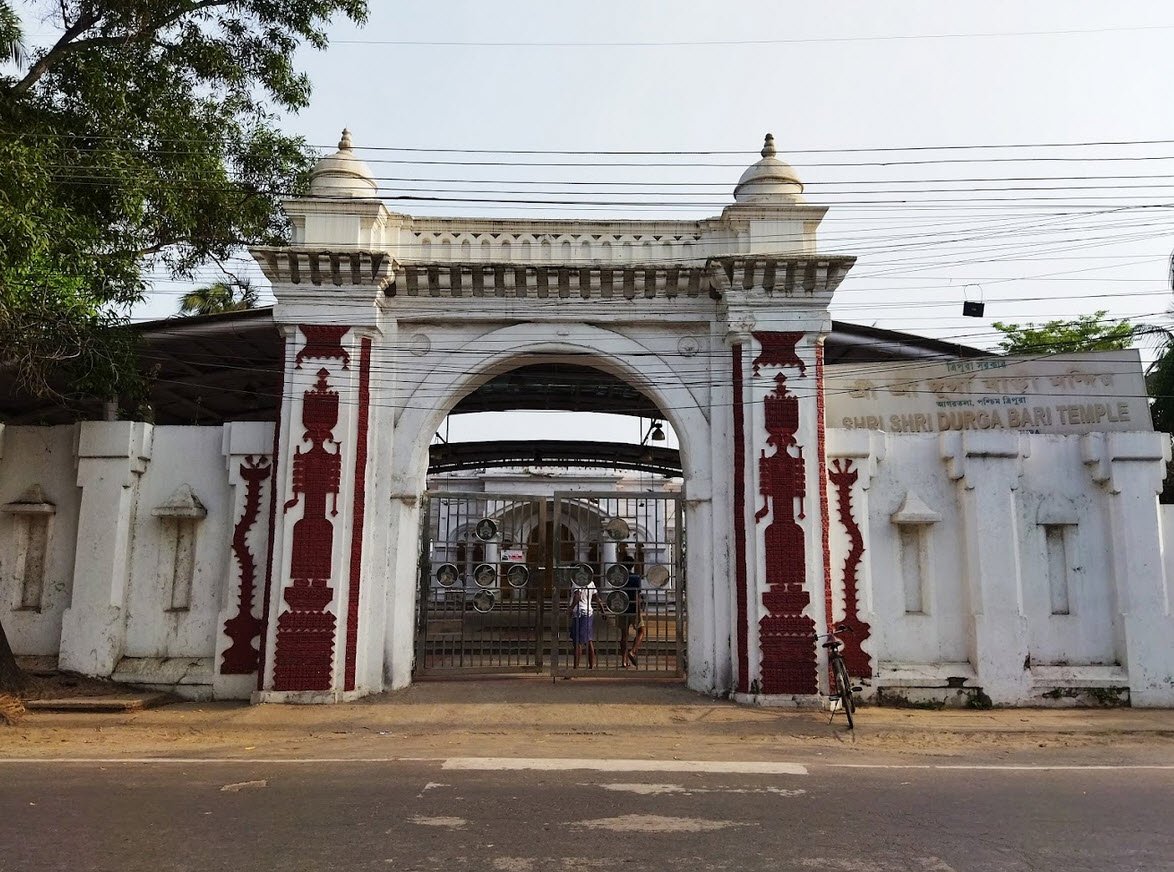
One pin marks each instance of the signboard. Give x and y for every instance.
(1059, 393)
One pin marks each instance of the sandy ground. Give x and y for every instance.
(537, 717)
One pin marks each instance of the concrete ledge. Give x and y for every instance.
(778, 700)
(99, 704)
(948, 675)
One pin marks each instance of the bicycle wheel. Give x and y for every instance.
(844, 688)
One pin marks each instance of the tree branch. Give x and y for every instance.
(69, 42)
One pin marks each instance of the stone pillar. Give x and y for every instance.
(1130, 467)
(987, 466)
(314, 651)
(853, 456)
(247, 450)
(775, 335)
(111, 458)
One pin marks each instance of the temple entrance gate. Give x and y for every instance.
(497, 573)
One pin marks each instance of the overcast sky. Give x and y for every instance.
(1085, 229)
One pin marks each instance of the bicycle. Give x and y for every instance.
(843, 685)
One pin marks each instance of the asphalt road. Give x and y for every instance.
(412, 815)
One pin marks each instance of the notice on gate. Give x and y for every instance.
(1059, 393)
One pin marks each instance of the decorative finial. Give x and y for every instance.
(344, 144)
(768, 146)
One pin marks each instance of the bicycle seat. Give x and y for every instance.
(831, 644)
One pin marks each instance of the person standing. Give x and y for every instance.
(632, 618)
(583, 600)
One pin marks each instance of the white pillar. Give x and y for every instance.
(111, 456)
(1131, 467)
(987, 467)
(316, 650)
(248, 447)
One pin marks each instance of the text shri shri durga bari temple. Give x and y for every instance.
(285, 530)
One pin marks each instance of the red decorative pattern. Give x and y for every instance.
(786, 635)
(778, 349)
(241, 657)
(740, 579)
(323, 342)
(824, 512)
(843, 476)
(266, 603)
(304, 653)
(358, 515)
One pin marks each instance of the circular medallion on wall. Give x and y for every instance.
(616, 602)
(688, 346)
(447, 575)
(617, 575)
(419, 344)
(617, 529)
(486, 529)
(485, 575)
(657, 575)
(483, 601)
(517, 575)
(581, 575)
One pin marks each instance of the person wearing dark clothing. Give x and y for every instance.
(632, 619)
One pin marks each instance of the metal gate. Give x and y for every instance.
(498, 573)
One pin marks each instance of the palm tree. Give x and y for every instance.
(232, 296)
(12, 50)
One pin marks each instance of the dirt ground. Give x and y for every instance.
(538, 717)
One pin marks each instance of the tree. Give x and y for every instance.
(1086, 333)
(143, 137)
(219, 297)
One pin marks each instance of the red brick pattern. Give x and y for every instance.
(242, 656)
(786, 635)
(824, 513)
(323, 342)
(358, 515)
(740, 575)
(844, 476)
(273, 489)
(304, 654)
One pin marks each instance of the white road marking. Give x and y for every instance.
(654, 823)
(243, 785)
(557, 764)
(657, 789)
(452, 823)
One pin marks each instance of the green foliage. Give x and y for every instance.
(1085, 333)
(219, 297)
(1160, 385)
(145, 137)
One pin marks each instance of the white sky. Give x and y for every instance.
(849, 75)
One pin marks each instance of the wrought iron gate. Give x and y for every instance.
(497, 573)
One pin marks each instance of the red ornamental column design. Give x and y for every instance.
(304, 650)
(242, 656)
(785, 633)
(843, 476)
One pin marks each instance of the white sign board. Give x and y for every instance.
(1059, 393)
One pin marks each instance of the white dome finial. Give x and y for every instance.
(342, 174)
(769, 181)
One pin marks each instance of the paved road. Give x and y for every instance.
(415, 815)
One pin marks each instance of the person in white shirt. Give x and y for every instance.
(583, 600)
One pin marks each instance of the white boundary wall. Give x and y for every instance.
(140, 576)
(1030, 568)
